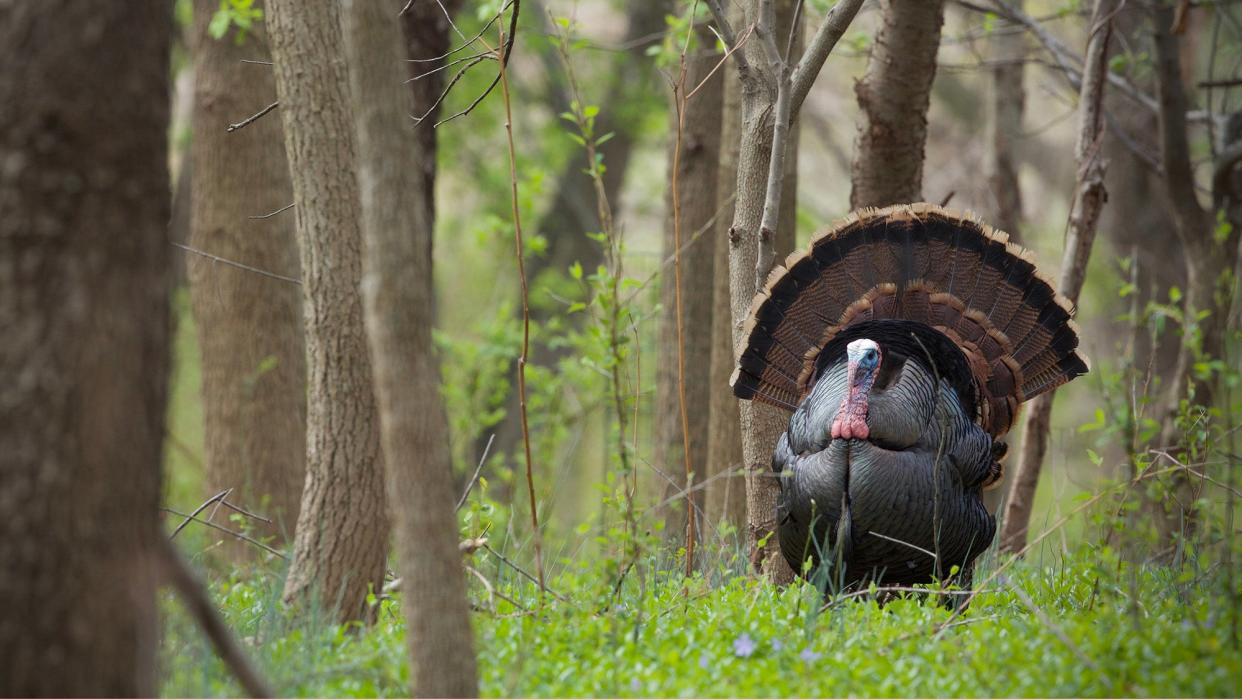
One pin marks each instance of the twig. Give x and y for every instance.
(474, 478)
(463, 59)
(228, 531)
(281, 210)
(728, 52)
(250, 120)
(445, 92)
(206, 503)
(511, 35)
(729, 37)
(1197, 474)
(491, 591)
(244, 513)
(238, 265)
(679, 104)
(519, 253)
(478, 36)
(194, 597)
(905, 543)
(523, 573)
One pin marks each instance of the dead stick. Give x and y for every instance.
(250, 120)
(206, 503)
(228, 531)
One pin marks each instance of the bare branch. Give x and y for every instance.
(825, 39)
(1089, 198)
(277, 211)
(238, 265)
(251, 119)
(226, 530)
(1067, 60)
(508, 37)
(474, 478)
(206, 503)
(730, 38)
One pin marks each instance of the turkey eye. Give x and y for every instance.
(869, 356)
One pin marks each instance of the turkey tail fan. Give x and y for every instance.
(920, 263)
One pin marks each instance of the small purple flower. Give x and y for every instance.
(635, 684)
(703, 661)
(744, 646)
(808, 655)
(777, 644)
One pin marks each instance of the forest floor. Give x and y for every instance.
(1086, 625)
(1071, 619)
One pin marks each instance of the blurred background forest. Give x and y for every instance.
(624, 60)
(577, 120)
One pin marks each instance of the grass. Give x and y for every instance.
(1070, 620)
(1087, 625)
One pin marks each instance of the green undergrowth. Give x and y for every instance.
(1089, 625)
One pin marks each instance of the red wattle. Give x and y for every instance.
(850, 421)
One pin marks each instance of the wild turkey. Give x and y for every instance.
(903, 340)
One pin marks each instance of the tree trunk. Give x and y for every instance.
(761, 425)
(427, 35)
(1210, 261)
(398, 289)
(695, 175)
(249, 326)
(342, 533)
(726, 489)
(1005, 135)
(84, 257)
(1089, 198)
(893, 96)
(1008, 102)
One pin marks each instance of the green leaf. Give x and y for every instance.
(219, 25)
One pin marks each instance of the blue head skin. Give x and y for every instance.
(863, 357)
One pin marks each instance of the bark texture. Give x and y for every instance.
(342, 532)
(249, 326)
(726, 484)
(427, 35)
(1089, 198)
(894, 95)
(697, 174)
(84, 257)
(398, 290)
(1008, 106)
(761, 425)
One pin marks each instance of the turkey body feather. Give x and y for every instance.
(903, 340)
